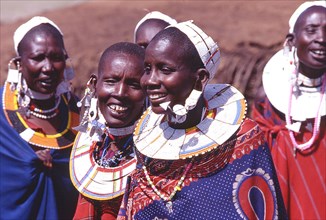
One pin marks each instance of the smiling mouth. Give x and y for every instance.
(319, 52)
(47, 82)
(118, 109)
(154, 97)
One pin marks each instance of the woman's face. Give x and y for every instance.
(43, 61)
(310, 39)
(168, 76)
(120, 97)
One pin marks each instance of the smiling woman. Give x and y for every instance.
(293, 113)
(37, 115)
(102, 156)
(199, 156)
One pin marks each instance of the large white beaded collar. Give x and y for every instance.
(91, 179)
(226, 109)
(306, 102)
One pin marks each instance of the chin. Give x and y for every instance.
(116, 123)
(158, 110)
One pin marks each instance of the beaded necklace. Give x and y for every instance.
(114, 161)
(45, 114)
(317, 120)
(168, 200)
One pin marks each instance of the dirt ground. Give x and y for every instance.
(237, 26)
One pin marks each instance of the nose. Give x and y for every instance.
(151, 80)
(120, 90)
(47, 65)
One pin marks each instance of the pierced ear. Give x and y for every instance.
(290, 39)
(93, 80)
(202, 79)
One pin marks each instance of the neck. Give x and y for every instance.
(39, 96)
(194, 116)
(310, 72)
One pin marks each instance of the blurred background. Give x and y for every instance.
(248, 32)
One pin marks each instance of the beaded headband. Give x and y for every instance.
(23, 29)
(155, 15)
(208, 50)
(300, 10)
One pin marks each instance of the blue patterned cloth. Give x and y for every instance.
(29, 190)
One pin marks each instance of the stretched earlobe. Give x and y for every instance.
(202, 79)
(290, 40)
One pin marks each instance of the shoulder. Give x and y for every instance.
(246, 126)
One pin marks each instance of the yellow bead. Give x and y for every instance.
(178, 188)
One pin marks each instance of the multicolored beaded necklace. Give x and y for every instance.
(317, 120)
(101, 156)
(45, 114)
(168, 200)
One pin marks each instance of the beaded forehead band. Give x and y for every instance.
(300, 10)
(23, 29)
(207, 49)
(155, 15)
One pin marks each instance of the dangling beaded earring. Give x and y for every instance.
(17, 82)
(291, 65)
(68, 75)
(13, 74)
(86, 103)
(178, 113)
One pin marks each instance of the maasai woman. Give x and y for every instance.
(102, 156)
(37, 115)
(200, 157)
(152, 23)
(293, 114)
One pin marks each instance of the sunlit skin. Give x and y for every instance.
(310, 41)
(148, 30)
(167, 75)
(120, 96)
(170, 77)
(42, 58)
(42, 62)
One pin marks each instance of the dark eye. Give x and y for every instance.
(311, 29)
(57, 57)
(109, 81)
(147, 69)
(38, 57)
(135, 85)
(166, 70)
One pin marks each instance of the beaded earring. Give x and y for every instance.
(13, 73)
(291, 65)
(91, 114)
(68, 75)
(178, 113)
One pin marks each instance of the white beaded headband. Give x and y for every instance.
(155, 15)
(208, 50)
(23, 29)
(301, 9)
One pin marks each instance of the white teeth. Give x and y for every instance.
(117, 108)
(156, 96)
(320, 52)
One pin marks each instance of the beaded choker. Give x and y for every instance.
(37, 95)
(45, 114)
